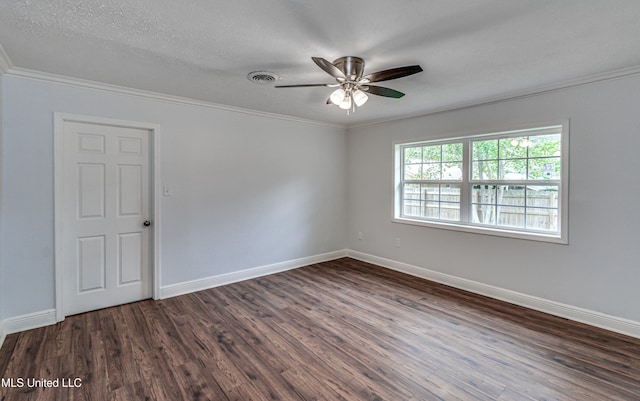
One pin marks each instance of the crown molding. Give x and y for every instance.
(7, 68)
(535, 91)
(104, 87)
(5, 62)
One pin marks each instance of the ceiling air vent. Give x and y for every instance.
(263, 77)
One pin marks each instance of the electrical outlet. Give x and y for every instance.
(398, 242)
(360, 236)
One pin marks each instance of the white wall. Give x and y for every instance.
(248, 190)
(2, 286)
(600, 268)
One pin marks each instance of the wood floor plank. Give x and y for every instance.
(7, 352)
(342, 330)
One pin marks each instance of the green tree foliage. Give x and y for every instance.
(517, 158)
(433, 162)
(521, 158)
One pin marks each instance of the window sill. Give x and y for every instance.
(483, 230)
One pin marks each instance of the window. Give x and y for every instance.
(432, 176)
(509, 183)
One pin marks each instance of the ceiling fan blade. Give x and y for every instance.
(382, 91)
(303, 85)
(393, 73)
(328, 67)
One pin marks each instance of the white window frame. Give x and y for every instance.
(465, 225)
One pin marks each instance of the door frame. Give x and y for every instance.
(154, 196)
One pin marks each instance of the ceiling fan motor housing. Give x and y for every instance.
(352, 67)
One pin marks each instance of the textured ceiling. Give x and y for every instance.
(470, 50)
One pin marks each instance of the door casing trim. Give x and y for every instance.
(155, 195)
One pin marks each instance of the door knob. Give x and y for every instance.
(147, 223)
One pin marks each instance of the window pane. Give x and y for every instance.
(542, 196)
(483, 214)
(411, 208)
(510, 195)
(412, 155)
(431, 153)
(450, 211)
(483, 194)
(432, 210)
(514, 169)
(413, 172)
(511, 216)
(431, 192)
(452, 152)
(542, 219)
(431, 171)
(450, 193)
(452, 171)
(485, 170)
(411, 191)
(485, 150)
(544, 145)
(513, 148)
(544, 168)
(432, 201)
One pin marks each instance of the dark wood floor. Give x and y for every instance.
(341, 330)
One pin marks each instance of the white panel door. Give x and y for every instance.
(105, 242)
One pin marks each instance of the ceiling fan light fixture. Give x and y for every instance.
(337, 96)
(351, 83)
(346, 102)
(359, 97)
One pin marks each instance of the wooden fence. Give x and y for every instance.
(540, 211)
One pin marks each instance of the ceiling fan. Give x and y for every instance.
(352, 85)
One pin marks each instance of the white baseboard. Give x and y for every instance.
(48, 317)
(26, 322)
(597, 319)
(234, 277)
(592, 318)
